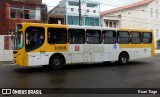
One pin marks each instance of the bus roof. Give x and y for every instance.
(92, 27)
(84, 27)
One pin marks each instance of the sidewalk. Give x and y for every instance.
(6, 62)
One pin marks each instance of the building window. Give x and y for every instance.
(115, 24)
(151, 12)
(157, 33)
(32, 14)
(110, 24)
(135, 37)
(72, 9)
(91, 21)
(87, 10)
(20, 13)
(76, 36)
(13, 13)
(73, 20)
(123, 37)
(109, 37)
(73, 3)
(157, 13)
(91, 5)
(93, 36)
(94, 11)
(96, 21)
(106, 23)
(24, 13)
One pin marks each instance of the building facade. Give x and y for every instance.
(13, 12)
(17, 11)
(144, 15)
(68, 10)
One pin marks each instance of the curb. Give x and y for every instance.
(6, 62)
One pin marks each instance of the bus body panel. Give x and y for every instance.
(80, 53)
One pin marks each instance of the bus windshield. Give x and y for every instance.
(34, 38)
(18, 41)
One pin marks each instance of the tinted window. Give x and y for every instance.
(147, 37)
(135, 37)
(72, 3)
(57, 35)
(123, 37)
(109, 37)
(77, 36)
(93, 36)
(18, 40)
(34, 37)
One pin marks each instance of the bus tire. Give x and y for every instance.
(123, 58)
(56, 62)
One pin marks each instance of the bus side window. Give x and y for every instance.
(147, 37)
(109, 37)
(76, 36)
(135, 37)
(57, 35)
(34, 37)
(93, 36)
(123, 37)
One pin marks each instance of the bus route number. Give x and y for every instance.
(60, 48)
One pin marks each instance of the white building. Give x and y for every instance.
(144, 14)
(69, 10)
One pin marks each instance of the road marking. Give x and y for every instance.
(127, 80)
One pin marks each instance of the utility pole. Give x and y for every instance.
(79, 12)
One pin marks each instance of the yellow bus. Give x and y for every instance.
(55, 45)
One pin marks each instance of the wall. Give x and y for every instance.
(132, 18)
(9, 24)
(155, 21)
(83, 9)
(89, 18)
(3, 17)
(6, 53)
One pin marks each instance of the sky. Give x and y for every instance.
(104, 6)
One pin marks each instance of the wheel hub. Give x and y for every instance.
(124, 59)
(57, 62)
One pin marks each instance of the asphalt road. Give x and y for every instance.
(142, 73)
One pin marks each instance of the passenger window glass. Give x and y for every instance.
(109, 37)
(34, 37)
(135, 37)
(57, 35)
(77, 36)
(147, 37)
(93, 36)
(123, 37)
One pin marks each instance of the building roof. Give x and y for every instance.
(140, 3)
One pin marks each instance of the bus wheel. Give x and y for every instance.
(56, 62)
(123, 58)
